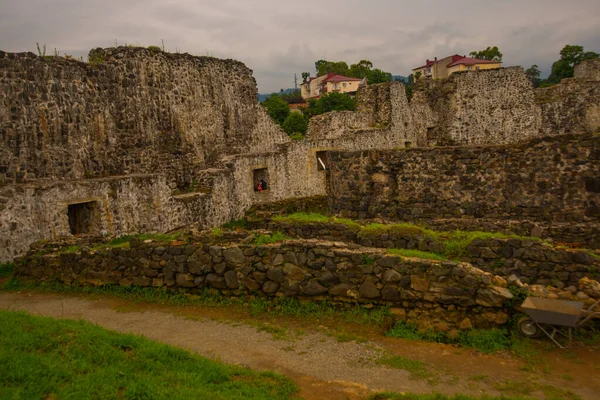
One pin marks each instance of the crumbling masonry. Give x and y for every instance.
(143, 141)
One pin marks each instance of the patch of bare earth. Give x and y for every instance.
(319, 356)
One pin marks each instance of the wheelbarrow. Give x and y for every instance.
(555, 318)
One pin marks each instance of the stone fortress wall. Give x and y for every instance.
(149, 141)
(551, 180)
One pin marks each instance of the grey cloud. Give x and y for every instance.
(277, 39)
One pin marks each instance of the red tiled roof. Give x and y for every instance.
(339, 78)
(470, 61)
(457, 60)
(428, 64)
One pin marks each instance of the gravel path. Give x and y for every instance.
(321, 366)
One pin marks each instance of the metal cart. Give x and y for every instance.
(555, 318)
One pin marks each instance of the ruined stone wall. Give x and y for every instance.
(34, 212)
(480, 107)
(475, 107)
(532, 261)
(550, 179)
(588, 70)
(439, 295)
(132, 111)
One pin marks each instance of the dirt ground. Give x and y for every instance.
(320, 357)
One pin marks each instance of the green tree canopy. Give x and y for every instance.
(305, 77)
(324, 67)
(533, 73)
(333, 101)
(277, 108)
(570, 56)
(295, 123)
(362, 69)
(491, 53)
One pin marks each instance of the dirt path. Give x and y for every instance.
(322, 366)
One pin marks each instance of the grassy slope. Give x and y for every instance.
(42, 357)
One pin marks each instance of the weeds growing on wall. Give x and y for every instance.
(236, 224)
(6, 270)
(308, 218)
(273, 238)
(455, 242)
(417, 254)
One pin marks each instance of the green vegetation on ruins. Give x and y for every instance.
(417, 254)
(455, 242)
(307, 218)
(48, 358)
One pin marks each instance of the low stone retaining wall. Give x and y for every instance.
(532, 261)
(432, 294)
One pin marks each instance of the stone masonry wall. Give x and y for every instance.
(134, 111)
(480, 107)
(552, 180)
(439, 295)
(532, 261)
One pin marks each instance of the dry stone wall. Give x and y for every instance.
(532, 261)
(439, 295)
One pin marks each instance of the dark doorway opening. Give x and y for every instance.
(83, 217)
(321, 160)
(260, 179)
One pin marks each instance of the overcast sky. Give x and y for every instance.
(278, 38)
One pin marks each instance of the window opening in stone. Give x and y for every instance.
(83, 217)
(408, 144)
(261, 180)
(431, 132)
(321, 160)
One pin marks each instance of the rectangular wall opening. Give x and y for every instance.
(321, 160)
(408, 145)
(261, 180)
(84, 218)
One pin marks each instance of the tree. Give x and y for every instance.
(333, 101)
(295, 123)
(491, 53)
(570, 56)
(533, 73)
(324, 67)
(292, 97)
(277, 108)
(305, 77)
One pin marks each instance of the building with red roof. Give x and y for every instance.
(318, 86)
(443, 68)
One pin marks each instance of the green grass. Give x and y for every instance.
(124, 240)
(6, 270)
(47, 358)
(417, 254)
(301, 217)
(236, 224)
(273, 238)
(284, 306)
(397, 229)
(484, 340)
(455, 242)
(417, 369)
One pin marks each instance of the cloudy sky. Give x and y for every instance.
(277, 38)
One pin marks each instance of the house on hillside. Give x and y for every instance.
(443, 68)
(317, 86)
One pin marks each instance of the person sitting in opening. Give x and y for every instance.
(263, 184)
(259, 187)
